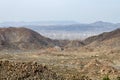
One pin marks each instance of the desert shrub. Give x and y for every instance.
(118, 78)
(81, 78)
(106, 78)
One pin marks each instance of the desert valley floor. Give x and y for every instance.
(72, 64)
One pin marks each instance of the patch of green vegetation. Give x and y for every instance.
(118, 78)
(106, 78)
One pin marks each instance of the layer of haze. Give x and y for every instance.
(83, 11)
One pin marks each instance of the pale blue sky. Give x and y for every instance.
(84, 11)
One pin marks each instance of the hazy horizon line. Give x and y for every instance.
(58, 21)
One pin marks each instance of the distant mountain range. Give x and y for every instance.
(65, 29)
(24, 39)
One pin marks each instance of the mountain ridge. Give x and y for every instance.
(105, 40)
(22, 38)
(66, 31)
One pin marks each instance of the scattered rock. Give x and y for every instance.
(25, 71)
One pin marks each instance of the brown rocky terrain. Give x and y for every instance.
(75, 44)
(22, 38)
(108, 40)
(25, 71)
(104, 36)
(91, 59)
(105, 40)
(27, 39)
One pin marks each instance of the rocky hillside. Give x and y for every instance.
(22, 38)
(107, 39)
(69, 43)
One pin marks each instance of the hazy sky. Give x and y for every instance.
(83, 11)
